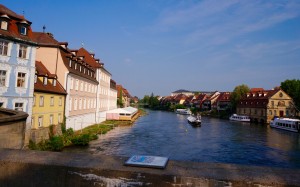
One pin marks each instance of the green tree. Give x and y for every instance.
(237, 94)
(292, 88)
(120, 99)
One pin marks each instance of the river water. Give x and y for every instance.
(220, 141)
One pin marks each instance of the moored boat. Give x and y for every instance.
(288, 124)
(235, 117)
(194, 120)
(183, 111)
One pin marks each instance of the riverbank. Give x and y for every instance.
(81, 137)
(36, 168)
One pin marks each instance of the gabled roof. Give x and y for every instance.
(13, 31)
(88, 58)
(42, 70)
(44, 39)
(39, 86)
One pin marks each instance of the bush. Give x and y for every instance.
(82, 139)
(56, 143)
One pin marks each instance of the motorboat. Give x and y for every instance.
(183, 111)
(194, 120)
(235, 117)
(288, 124)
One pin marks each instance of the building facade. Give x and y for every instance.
(17, 64)
(48, 104)
(263, 105)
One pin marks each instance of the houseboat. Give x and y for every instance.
(183, 111)
(194, 120)
(235, 117)
(286, 124)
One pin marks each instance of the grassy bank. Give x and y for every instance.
(81, 137)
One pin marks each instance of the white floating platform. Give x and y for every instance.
(147, 161)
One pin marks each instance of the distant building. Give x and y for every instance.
(262, 105)
(17, 63)
(182, 91)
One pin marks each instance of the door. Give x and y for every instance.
(281, 113)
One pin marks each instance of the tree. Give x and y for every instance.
(237, 94)
(292, 88)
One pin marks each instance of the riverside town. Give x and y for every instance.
(66, 121)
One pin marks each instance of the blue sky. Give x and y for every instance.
(154, 46)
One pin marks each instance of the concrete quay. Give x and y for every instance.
(35, 168)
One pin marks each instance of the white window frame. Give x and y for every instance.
(40, 121)
(4, 46)
(75, 104)
(4, 25)
(52, 101)
(23, 30)
(51, 119)
(76, 84)
(19, 106)
(22, 51)
(3, 78)
(21, 79)
(41, 101)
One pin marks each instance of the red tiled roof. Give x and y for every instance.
(42, 70)
(256, 89)
(13, 29)
(49, 88)
(88, 58)
(44, 38)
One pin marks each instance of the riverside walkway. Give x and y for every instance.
(34, 168)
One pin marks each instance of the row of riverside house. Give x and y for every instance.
(200, 100)
(52, 83)
(259, 104)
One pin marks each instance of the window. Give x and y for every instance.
(45, 80)
(270, 112)
(1, 104)
(59, 118)
(23, 30)
(80, 104)
(34, 98)
(75, 65)
(3, 48)
(35, 78)
(22, 51)
(77, 84)
(4, 25)
(70, 104)
(60, 101)
(51, 119)
(51, 101)
(21, 80)
(19, 106)
(2, 77)
(41, 100)
(54, 82)
(81, 86)
(72, 83)
(40, 121)
(75, 104)
(70, 63)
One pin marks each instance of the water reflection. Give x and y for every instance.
(168, 134)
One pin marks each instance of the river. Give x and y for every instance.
(220, 141)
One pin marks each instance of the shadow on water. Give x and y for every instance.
(219, 141)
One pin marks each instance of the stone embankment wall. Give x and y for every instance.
(12, 128)
(34, 168)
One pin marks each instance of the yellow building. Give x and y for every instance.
(48, 104)
(263, 105)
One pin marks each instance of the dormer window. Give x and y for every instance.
(70, 63)
(54, 82)
(75, 65)
(4, 25)
(45, 80)
(80, 68)
(23, 30)
(35, 78)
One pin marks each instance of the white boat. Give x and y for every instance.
(235, 117)
(288, 124)
(183, 111)
(194, 120)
